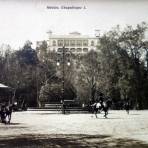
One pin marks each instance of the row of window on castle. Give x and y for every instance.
(74, 49)
(72, 43)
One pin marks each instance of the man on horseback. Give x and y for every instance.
(101, 105)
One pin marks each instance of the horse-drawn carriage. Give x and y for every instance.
(5, 103)
(8, 103)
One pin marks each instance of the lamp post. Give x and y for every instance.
(14, 93)
(64, 61)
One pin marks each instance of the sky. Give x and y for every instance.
(22, 20)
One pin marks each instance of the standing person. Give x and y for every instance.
(0, 112)
(127, 106)
(3, 114)
(9, 109)
(63, 107)
(101, 100)
(96, 107)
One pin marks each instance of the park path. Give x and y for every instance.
(118, 124)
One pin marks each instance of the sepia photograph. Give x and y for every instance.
(73, 73)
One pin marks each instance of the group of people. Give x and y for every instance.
(101, 105)
(5, 113)
(104, 105)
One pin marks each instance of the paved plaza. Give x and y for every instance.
(52, 129)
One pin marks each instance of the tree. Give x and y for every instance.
(132, 40)
(88, 72)
(122, 63)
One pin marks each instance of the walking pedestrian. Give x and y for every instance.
(127, 106)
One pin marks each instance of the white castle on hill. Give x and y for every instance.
(73, 42)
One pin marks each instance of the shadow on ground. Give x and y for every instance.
(68, 141)
(11, 126)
